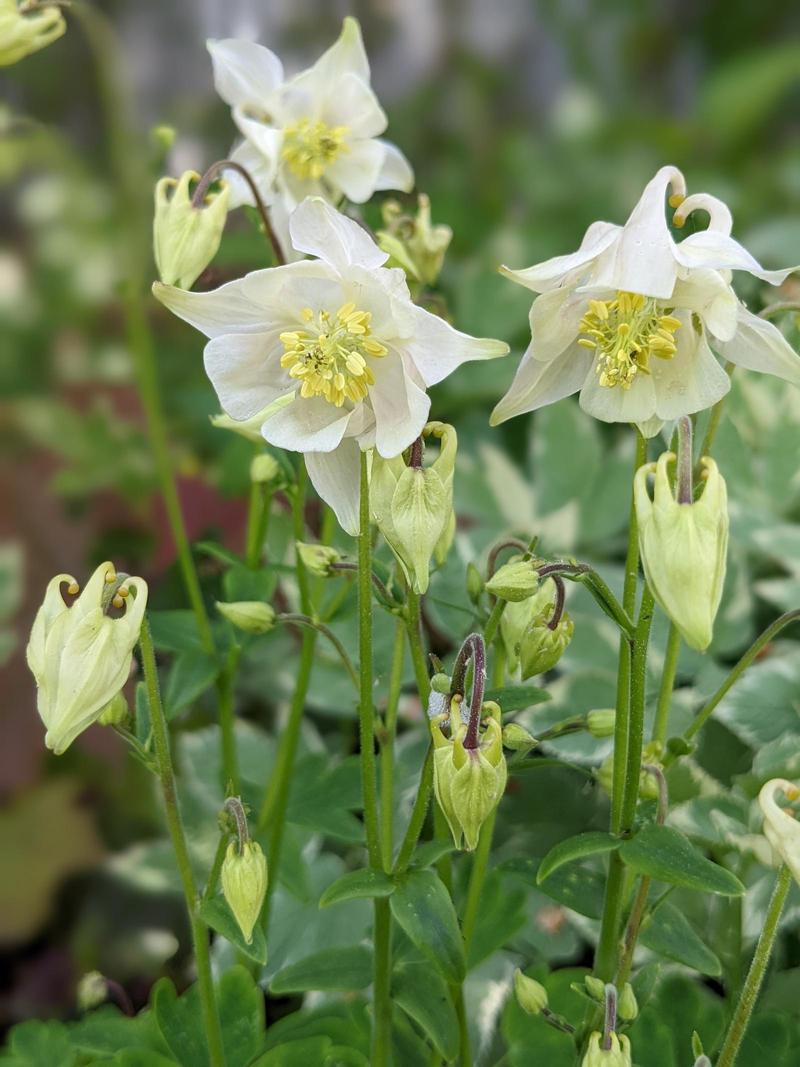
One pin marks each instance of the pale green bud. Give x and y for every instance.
(244, 884)
(474, 583)
(518, 615)
(702, 1061)
(600, 722)
(541, 648)
(684, 548)
(115, 712)
(595, 988)
(781, 829)
(619, 1055)
(185, 237)
(92, 991)
(27, 27)
(531, 995)
(164, 136)
(413, 243)
(627, 1005)
(80, 655)
(318, 558)
(514, 581)
(468, 783)
(251, 616)
(440, 683)
(264, 468)
(517, 738)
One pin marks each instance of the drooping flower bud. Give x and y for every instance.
(517, 738)
(627, 1005)
(600, 722)
(413, 506)
(244, 884)
(595, 988)
(514, 581)
(468, 781)
(318, 558)
(250, 616)
(413, 243)
(684, 547)
(79, 655)
(619, 1055)
(781, 828)
(92, 991)
(518, 615)
(531, 995)
(264, 469)
(27, 27)
(474, 583)
(186, 236)
(541, 648)
(115, 712)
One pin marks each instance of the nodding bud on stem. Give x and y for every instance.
(186, 235)
(264, 469)
(600, 722)
(412, 242)
(249, 616)
(527, 630)
(514, 581)
(318, 559)
(531, 995)
(244, 884)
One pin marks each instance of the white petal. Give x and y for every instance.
(244, 72)
(351, 102)
(642, 260)
(401, 408)
(555, 320)
(267, 140)
(223, 310)
(692, 380)
(336, 476)
(615, 404)
(307, 425)
(537, 384)
(437, 349)
(356, 171)
(396, 172)
(552, 272)
(711, 296)
(721, 252)
(346, 56)
(719, 215)
(760, 345)
(245, 370)
(320, 230)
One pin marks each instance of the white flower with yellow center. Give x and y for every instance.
(315, 134)
(631, 318)
(331, 352)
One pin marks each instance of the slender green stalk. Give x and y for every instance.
(607, 945)
(464, 1053)
(668, 673)
(492, 623)
(755, 976)
(227, 721)
(418, 813)
(418, 657)
(216, 867)
(313, 624)
(477, 877)
(258, 515)
(381, 992)
(714, 419)
(637, 705)
(387, 746)
(169, 791)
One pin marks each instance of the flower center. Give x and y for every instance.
(330, 358)
(626, 332)
(310, 147)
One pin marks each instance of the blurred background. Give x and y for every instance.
(524, 120)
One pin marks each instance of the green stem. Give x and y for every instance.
(492, 623)
(632, 932)
(216, 867)
(477, 877)
(714, 419)
(755, 976)
(607, 945)
(169, 790)
(257, 523)
(668, 673)
(382, 947)
(297, 619)
(418, 812)
(387, 745)
(227, 722)
(418, 657)
(637, 706)
(465, 1053)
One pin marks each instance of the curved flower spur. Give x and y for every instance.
(631, 318)
(330, 352)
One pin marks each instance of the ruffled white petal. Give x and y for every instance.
(537, 384)
(637, 404)
(267, 140)
(336, 477)
(346, 55)
(759, 345)
(718, 251)
(555, 320)
(245, 370)
(401, 408)
(224, 310)
(356, 171)
(692, 380)
(308, 424)
(552, 272)
(436, 349)
(351, 102)
(708, 293)
(319, 230)
(396, 171)
(719, 214)
(244, 72)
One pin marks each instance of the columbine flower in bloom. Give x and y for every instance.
(781, 828)
(27, 27)
(316, 134)
(331, 350)
(79, 655)
(631, 318)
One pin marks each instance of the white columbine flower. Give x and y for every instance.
(631, 318)
(80, 655)
(781, 828)
(316, 134)
(331, 350)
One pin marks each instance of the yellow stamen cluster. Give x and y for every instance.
(310, 147)
(330, 358)
(626, 332)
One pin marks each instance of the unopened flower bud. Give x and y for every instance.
(514, 581)
(413, 243)
(541, 648)
(619, 1055)
(702, 1061)
(627, 1005)
(596, 988)
(317, 559)
(163, 136)
(264, 468)
(517, 738)
(92, 991)
(440, 683)
(781, 828)
(244, 884)
(684, 548)
(186, 237)
(600, 722)
(81, 655)
(115, 712)
(25, 28)
(519, 616)
(250, 616)
(531, 995)
(474, 583)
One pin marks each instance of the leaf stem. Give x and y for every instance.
(297, 619)
(668, 672)
(387, 745)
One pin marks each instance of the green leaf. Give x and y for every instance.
(191, 674)
(423, 909)
(669, 933)
(424, 996)
(300, 1053)
(501, 914)
(175, 631)
(430, 852)
(244, 583)
(357, 884)
(180, 1022)
(343, 968)
(218, 552)
(593, 843)
(106, 1030)
(142, 1057)
(579, 888)
(666, 855)
(513, 698)
(216, 914)
(241, 1014)
(37, 1043)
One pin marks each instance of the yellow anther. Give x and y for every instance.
(123, 591)
(117, 601)
(626, 332)
(675, 201)
(791, 792)
(73, 589)
(111, 577)
(310, 147)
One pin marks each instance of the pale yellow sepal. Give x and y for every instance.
(619, 1055)
(781, 829)
(185, 237)
(25, 28)
(250, 616)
